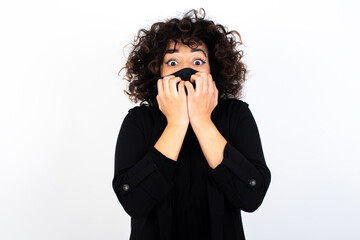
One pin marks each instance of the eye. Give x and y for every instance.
(199, 60)
(170, 61)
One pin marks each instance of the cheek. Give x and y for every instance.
(207, 68)
(164, 71)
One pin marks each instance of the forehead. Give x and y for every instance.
(179, 44)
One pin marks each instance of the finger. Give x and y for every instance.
(205, 82)
(160, 86)
(195, 79)
(216, 91)
(166, 85)
(189, 88)
(215, 88)
(210, 83)
(182, 88)
(172, 84)
(192, 77)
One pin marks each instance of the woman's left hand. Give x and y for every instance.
(203, 99)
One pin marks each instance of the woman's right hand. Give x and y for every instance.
(172, 102)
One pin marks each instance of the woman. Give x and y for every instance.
(191, 160)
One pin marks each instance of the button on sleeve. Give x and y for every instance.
(252, 182)
(126, 187)
(243, 175)
(141, 178)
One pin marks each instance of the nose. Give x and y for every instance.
(186, 65)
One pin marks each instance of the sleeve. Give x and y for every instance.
(243, 175)
(143, 176)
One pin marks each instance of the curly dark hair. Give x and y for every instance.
(146, 56)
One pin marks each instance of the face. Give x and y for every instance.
(184, 57)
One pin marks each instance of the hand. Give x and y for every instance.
(172, 102)
(202, 100)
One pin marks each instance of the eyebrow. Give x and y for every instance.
(192, 50)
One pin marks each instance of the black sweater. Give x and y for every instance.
(185, 199)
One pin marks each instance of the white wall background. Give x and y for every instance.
(62, 106)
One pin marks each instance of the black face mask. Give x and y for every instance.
(184, 74)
